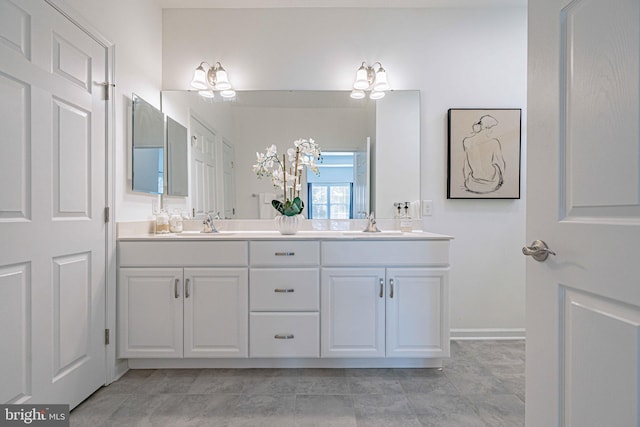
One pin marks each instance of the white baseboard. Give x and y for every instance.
(488, 334)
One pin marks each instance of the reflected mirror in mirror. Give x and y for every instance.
(385, 133)
(177, 159)
(148, 147)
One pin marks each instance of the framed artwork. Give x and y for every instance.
(484, 153)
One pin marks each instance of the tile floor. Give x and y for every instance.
(481, 385)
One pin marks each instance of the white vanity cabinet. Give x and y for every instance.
(316, 299)
(186, 310)
(385, 299)
(284, 299)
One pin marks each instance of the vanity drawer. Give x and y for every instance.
(284, 335)
(284, 253)
(291, 289)
(183, 254)
(385, 253)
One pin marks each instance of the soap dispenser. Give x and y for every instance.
(162, 222)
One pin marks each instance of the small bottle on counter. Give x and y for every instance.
(175, 222)
(162, 222)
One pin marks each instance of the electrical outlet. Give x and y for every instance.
(427, 207)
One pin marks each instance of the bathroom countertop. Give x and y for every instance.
(300, 235)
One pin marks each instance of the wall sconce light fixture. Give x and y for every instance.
(370, 78)
(208, 79)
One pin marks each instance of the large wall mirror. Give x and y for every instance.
(371, 161)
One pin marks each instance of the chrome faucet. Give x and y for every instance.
(208, 224)
(371, 224)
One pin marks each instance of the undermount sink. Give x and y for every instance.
(203, 235)
(372, 234)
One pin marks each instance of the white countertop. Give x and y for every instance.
(300, 235)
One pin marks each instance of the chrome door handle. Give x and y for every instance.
(284, 336)
(186, 288)
(391, 282)
(176, 292)
(381, 288)
(538, 250)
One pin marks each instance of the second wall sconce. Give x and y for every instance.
(208, 79)
(370, 78)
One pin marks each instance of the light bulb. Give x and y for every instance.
(199, 77)
(222, 80)
(381, 84)
(206, 93)
(357, 94)
(362, 78)
(228, 93)
(376, 94)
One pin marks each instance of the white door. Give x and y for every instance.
(52, 201)
(203, 168)
(229, 179)
(583, 305)
(353, 312)
(150, 307)
(216, 317)
(417, 326)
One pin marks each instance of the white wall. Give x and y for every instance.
(457, 58)
(135, 28)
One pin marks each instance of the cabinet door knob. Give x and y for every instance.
(391, 290)
(381, 288)
(176, 292)
(186, 288)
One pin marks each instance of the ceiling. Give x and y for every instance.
(265, 4)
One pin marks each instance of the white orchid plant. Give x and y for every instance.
(286, 172)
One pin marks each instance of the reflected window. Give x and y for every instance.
(331, 201)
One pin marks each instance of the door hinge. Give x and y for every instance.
(107, 214)
(106, 336)
(106, 86)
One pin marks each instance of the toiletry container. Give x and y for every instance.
(175, 222)
(162, 222)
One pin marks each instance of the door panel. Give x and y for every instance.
(584, 192)
(416, 324)
(52, 195)
(15, 306)
(353, 312)
(203, 167)
(216, 312)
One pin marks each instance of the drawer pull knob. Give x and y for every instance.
(284, 291)
(285, 253)
(284, 336)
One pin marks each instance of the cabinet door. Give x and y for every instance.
(150, 312)
(216, 312)
(352, 307)
(417, 321)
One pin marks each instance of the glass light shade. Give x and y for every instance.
(228, 93)
(206, 93)
(362, 80)
(376, 94)
(381, 84)
(199, 78)
(222, 80)
(357, 94)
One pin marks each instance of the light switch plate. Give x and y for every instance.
(427, 207)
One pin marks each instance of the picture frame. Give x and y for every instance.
(484, 153)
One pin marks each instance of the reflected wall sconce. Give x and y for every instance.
(207, 79)
(370, 78)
